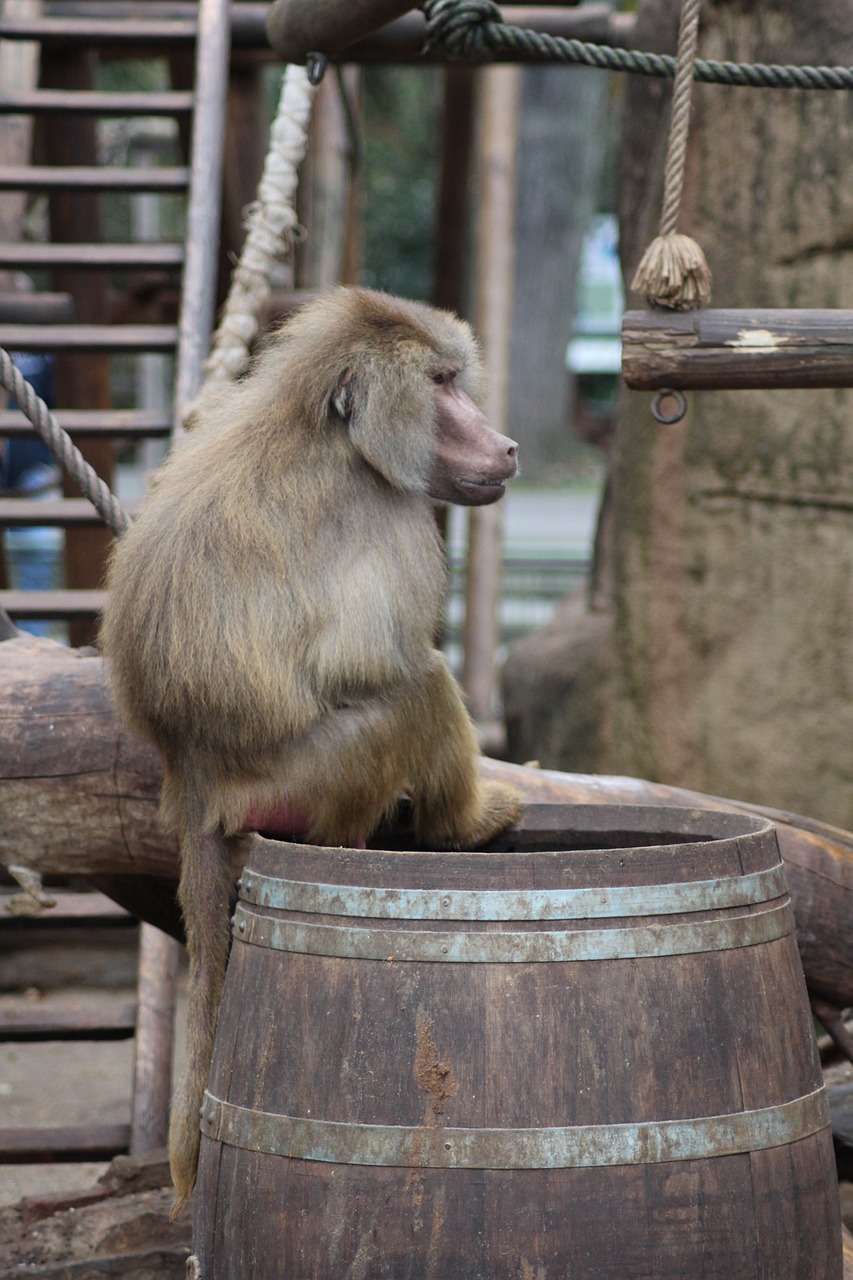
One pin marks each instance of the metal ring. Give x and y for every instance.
(315, 66)
(669, 418)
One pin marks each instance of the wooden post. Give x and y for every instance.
(198, 291)
(451, 241)
(155, 1017)
(493, 275)
(327, 204)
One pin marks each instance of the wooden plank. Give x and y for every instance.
(92, 178)
(737, 349)
(52, 606)
(89, 337)
(147, 423)
(94, 102)
(63, 1145)
(122, 256)
(110, 1021)
(99, 31)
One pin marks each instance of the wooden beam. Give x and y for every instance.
(737, 350)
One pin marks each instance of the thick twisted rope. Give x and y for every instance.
(688, 42)
(474, 30)
(61, 445)
(269, 230)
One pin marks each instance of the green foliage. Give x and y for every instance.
(402, 118)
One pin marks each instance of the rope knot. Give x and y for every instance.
(463, 28)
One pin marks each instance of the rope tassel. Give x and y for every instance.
(674, 273)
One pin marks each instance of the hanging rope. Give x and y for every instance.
(474, 30)
(673, 272)
(62, 446)
(269, 232)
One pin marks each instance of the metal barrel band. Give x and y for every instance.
(574, 1146)
(370, 902)
(512, 947)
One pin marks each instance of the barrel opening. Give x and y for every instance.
(553, 828)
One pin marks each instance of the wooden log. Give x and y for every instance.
(402, 40)
(78, 796)
(76, 790)
(737, 349)
(297, 28)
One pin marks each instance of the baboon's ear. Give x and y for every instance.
(392, 422)
(342, 396)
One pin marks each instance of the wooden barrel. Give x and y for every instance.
(586, 1052)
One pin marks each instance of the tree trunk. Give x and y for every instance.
(733, 563)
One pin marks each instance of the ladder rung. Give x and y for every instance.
(18, 307)
(99, 31)
(105, 423)
(89, 337)
(72, 910)
(114, 1020)
(91, 178)
(52, 606)
(37, 102)
(35, 512)
(120, 256)
(68, 1143)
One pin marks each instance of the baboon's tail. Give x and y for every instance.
(204, 894)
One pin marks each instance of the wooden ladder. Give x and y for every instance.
(82, 919)
(70, 318)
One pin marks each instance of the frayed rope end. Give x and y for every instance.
(673, 273)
